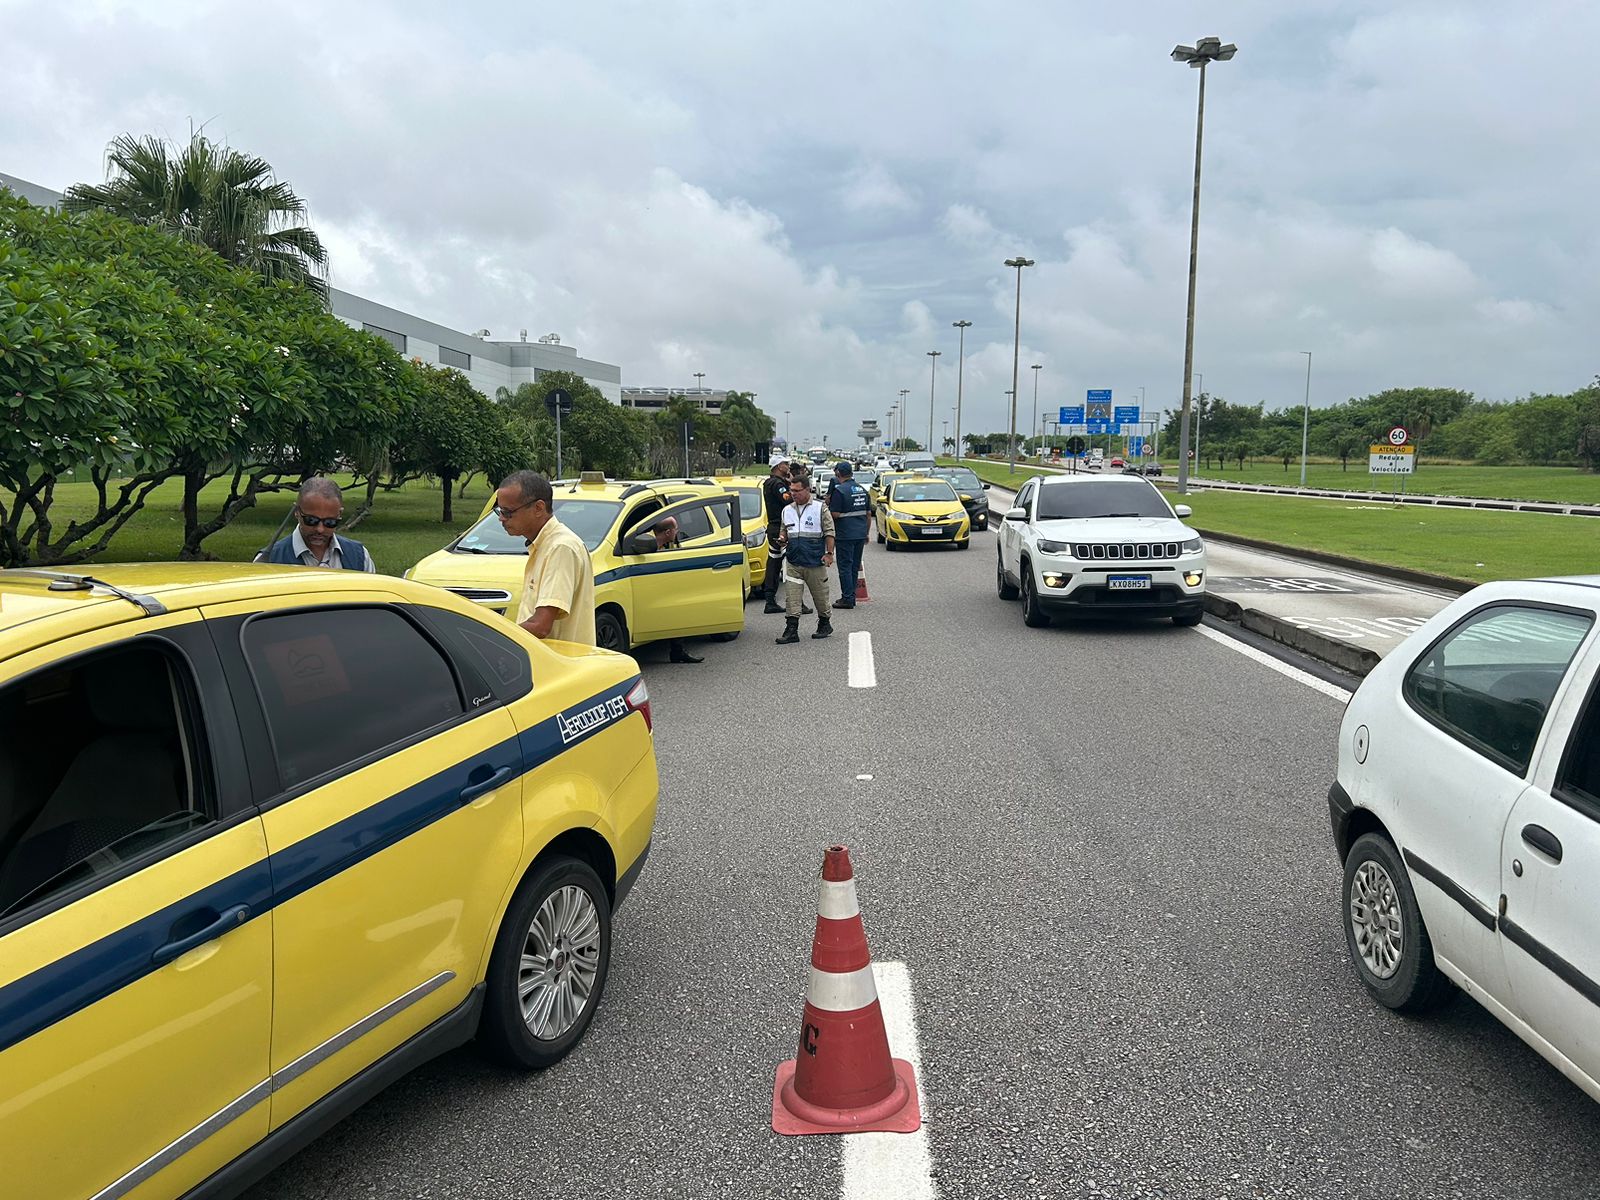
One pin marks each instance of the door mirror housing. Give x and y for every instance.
(641, 543)
(986, 487)
(1183, 510)
(1017, 514)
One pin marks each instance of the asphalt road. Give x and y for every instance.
(1115, 892)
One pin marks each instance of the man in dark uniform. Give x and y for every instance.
(318, 511)
(852, 514)
(775, 495)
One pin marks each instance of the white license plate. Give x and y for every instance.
(1128, 583)
(933, 533)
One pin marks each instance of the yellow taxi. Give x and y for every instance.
(641, 594)
(752, 520)
(271, 837)
(920, 510)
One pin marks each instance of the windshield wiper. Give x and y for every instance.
(469, 550)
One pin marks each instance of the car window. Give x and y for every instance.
(339, 684)
(102, 762)
(1490, 680)
(1101, 498)
(1579, 780)
(589, 519)
(913, 491)
(693, 524)
(750, 504)
(966, 481)
(1025, 495)
(503, 664)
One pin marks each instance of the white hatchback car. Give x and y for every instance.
(1081, 544)
(1466, 810)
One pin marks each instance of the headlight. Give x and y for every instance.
(755, 539)
(900, 516)
(1193, 546)
(1046, 546)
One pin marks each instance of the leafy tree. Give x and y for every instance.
(213, 196)
(446, 433)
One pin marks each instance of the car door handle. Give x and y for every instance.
(228, 919)
(1542, 840)
(473, 790)
(723, 566)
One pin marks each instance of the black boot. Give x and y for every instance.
(679, 654)
(824, 627)
(773, 606)
(806, 610)
(841, 602)
(791, 631)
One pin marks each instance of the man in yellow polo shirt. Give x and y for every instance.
(558, 584)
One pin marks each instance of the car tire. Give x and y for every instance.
(891, 546)
(962, 545)
(561, 908)
(1388, 944)
(1004, 587)
(1033, 613)
(611, 631)
(1186, 619)
(731, 635)
(880, 537)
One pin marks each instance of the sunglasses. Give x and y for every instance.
(311, 522)
(503, 512)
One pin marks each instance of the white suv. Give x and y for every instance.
(1100, 544)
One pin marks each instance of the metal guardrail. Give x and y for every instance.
(1536, 506)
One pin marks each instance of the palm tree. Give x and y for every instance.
(214, 196)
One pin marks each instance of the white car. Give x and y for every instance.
(1466, 810)
(1083, 544)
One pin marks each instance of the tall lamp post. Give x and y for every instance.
(961, 368)
(933, 374)
(1305, 424)
(946, 425)
(1016, 344)
(1206, 50)
(788, 448)
(905, 409)
(888, 425)
(699, 381)
(1033, 427)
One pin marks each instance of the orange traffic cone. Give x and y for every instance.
(861, 584)
(842, 1079)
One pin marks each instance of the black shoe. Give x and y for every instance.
(773, 606)
(791, 631)
(804, 611)
(824, 628)
(683, 656)
(841, 602)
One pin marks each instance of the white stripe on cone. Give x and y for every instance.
(841, 991)
(836, 900)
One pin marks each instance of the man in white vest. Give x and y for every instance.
(808, 553)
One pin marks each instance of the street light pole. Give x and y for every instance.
(1033, 427)
(1206, 50)
(905, 410)
(946, 425)
(933, 373)
(1305, 424)
(961, 369)
(699, 381)
(787, 435)
(1202, 378)
(1016, 346)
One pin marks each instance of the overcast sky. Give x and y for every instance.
(798, 200)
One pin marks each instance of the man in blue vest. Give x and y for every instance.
(852, 513)
(807, 539)
(318, 511)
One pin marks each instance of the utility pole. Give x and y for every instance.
(933, 372)
(1016, 344)
(961, 368)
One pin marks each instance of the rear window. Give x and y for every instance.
(926, 490)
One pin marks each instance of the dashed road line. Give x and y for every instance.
(1282, 668)
(863, 669)
(892, 1166)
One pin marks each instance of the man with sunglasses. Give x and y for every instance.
(318, 511)
(558, 585)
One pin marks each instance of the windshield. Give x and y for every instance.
(965, 481)
(749, 504)
(865, 476)
(591, 520)
(1100, 498)
(920, 490)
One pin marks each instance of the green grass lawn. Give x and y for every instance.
(403, 527)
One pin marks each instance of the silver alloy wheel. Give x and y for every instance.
(560, 959)
(1375, 919)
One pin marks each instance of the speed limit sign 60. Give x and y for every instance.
(1399, 436)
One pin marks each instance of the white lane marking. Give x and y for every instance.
(893, 1166)
(863, 670)
(1278, 665)
(864, 777)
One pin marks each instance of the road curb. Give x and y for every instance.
(1348, 657)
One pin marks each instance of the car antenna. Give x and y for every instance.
(67, 581)
(276, 534)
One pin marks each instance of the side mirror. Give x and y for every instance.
(1183, 510)
(1017, 514)
(986, 487)
(641, 543)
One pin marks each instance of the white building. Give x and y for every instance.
(655, 399)
(488, 363)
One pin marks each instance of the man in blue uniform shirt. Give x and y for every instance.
(318, 511)
(852, 514)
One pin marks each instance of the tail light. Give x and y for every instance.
(638, 700)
